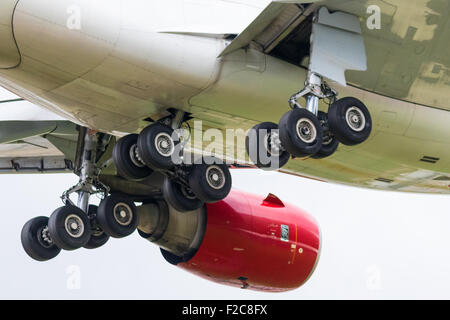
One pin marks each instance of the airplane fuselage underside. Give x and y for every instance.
(112, 67)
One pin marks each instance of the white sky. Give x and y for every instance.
(375, 245)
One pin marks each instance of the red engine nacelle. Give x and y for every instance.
(245, 241)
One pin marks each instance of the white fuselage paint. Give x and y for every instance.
(109, 64)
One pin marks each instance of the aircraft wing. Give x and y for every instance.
(276, 20)
(33, 140)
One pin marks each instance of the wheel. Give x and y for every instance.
(210, 182)
(98, 236)
(156, 146)
(179, 196)
(117, 216)
(127, 160)
(350, 121)
(301, 133)
(329, 141)
(36, 241)
(263, 146)
(69, 227)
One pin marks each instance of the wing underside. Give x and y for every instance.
(33, 140)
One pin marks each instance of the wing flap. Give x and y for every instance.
(272, 22)
(35, 165)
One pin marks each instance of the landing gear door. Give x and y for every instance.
(337, 45)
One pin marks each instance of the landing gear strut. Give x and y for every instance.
(305, 131)
(348, 121)
(73, 226)
(308, 132)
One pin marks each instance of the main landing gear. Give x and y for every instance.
(71, 226)
(159, 148)
(308, 132)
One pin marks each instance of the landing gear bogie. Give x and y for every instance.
(186, 187)
(72, 227)
(306, 132)
(207, 182)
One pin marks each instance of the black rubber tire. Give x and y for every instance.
(290, 139)
(198, 181)
(254, 136)
(339, 126)
(96, 241)
(33, 245)
(126, 168)
(98, 237)
(175, 197)
(109, 223)
(147, 147)
(329, 143)
(58, 232)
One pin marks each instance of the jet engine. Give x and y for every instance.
(245, 240)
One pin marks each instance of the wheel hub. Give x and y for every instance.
(215, 177)
(164, 144)
(306, 130)
(44, 237)
(97, 232)
(273, 144)
(187, 193)
(74, 226)
(135, 158)
(355, 119)
(123, 214)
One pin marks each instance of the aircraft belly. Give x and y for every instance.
(407, 151)
(105, 73)
(113, 73)
(9, 53)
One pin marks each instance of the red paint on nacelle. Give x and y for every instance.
(243, 244)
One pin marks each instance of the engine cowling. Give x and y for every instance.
(246, 241)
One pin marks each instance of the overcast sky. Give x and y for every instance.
(375, 245)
